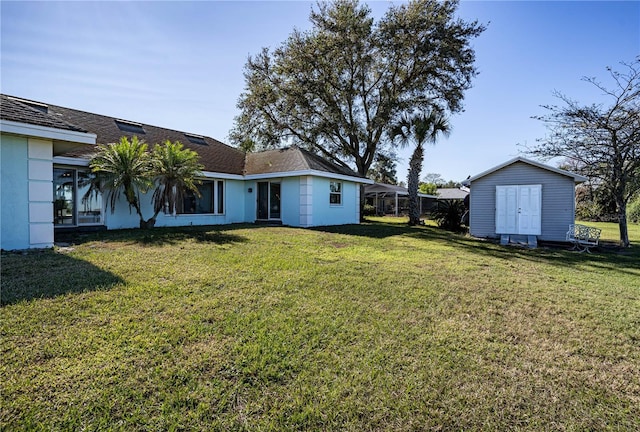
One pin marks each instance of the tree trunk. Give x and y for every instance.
(145, 224)
(415, 166)
(622, 222)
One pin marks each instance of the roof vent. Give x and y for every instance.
(35, 105)
(127, 126)
(195, 139)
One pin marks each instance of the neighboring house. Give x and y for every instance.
(452, 194)
(394, 200)
(44, 163)
(522, 197)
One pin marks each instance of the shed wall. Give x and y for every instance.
(558, 200)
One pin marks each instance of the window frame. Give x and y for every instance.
(335, 193)
(218, 187)
(76, 200)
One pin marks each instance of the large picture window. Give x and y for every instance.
(335, 193)
(72, 206)
(210, 201)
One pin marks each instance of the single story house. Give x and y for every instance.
(394, 200)
(522, 197)
(44, 171)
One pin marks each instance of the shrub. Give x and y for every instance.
(368, 210)
(633, 210)
(448, 214)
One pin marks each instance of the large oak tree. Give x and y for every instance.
(601, 141)
(337, 88)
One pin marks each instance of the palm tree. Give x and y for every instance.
(123, 168)
(421, 128)
(127, 168)
(176, 170)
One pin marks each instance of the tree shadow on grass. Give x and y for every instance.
(41, 274)
(626, 261)
(215, 234)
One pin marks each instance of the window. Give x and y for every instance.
(35, 105)
(210, 201)
(335, 193)
(127, 126)
(72, 206)
(195, 139)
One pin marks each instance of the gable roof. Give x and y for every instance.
(293, 160)
(576, 177)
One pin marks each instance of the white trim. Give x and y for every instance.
(71, 161)
(315, 173)
(221, 176)
(340, 204)
(37, 131)
(576, 177)
(61, 160)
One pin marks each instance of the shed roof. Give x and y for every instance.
(576, 177)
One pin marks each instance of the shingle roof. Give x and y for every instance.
(290, 159)
(14, 109)
(452, 193)
(214, 155)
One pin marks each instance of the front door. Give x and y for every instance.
(268, 200)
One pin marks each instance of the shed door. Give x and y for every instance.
(506, 209)
(519, 209)
(529, 212)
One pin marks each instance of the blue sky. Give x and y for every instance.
(180, 64)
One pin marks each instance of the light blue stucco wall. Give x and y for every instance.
(14, 192)
(323, 212)
(290, 201)
(326, 214)
(234, 211)
(250, 200)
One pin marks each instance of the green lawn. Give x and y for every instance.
(370, 327)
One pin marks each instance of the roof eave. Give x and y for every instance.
(576, 177)
(27, 129)
(315, 173)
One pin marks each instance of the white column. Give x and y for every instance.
(306, 201)
(40, 193)
(396, 204)
(357, 203)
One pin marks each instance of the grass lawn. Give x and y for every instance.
(370, 327)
